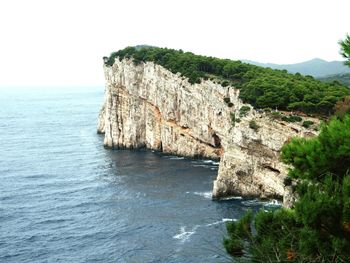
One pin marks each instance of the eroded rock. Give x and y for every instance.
(148, 106)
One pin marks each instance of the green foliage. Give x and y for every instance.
(343, 79)
(307, 124)
(238, 232)
(261, 87)
(233, 118)
(329, 152)
(276, 115)
(287, 181)
(226, 100)
(253, 125)
(234, 246)
(225, 83)
(324, 213)
(241, 228)
(243, 111)
(345, 49)
(317, 228)
(292, 118)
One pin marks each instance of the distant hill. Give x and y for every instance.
(315, 67)
(341, 78)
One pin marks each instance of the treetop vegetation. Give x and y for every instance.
(260, 87)
(345, 49)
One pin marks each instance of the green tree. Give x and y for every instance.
(317, 228)
(345, 49)
(327, 153)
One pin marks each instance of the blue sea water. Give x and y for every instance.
(64, 198)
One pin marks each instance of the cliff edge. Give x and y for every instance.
(148, 106)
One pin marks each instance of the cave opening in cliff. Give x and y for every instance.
(217, 141)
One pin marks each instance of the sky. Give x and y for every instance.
(62, 42)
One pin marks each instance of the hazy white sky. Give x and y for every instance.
(62, 42)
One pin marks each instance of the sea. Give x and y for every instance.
(65, 198)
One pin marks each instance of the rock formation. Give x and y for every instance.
(148, 106)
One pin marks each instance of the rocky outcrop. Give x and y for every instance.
(148, 106)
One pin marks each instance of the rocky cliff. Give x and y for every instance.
(148, 106)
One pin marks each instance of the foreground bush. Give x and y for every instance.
(317, 228)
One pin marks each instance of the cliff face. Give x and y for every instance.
(148, 106)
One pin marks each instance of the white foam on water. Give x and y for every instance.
(271, 203)
(252, 202)
(229, 219)
(207, 195)
(224, 220)
(201, 165)
(177, 158)
(211, 162)
(184, 235)
(232, 198)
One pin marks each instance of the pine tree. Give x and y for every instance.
(317, 228)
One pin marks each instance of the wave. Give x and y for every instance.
(224, 220)
(202, 165)
(269, 203)
(207, 195)
(232, 198)
(273, 203)
(184, 235)
(176, 158)
(211, 162)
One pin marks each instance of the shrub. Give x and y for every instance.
(230, 104)
(307, 124)
(233, 118)
(243, 111)
(227, 100)
(292, 118)
(253, 125)
(224, 83)
(287, 181)
(295, 118)
(285, 118)
(276, 115)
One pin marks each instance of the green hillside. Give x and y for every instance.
(261, 87)
(343, 79)
(316, 67)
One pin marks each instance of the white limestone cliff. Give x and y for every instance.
(148, 106)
